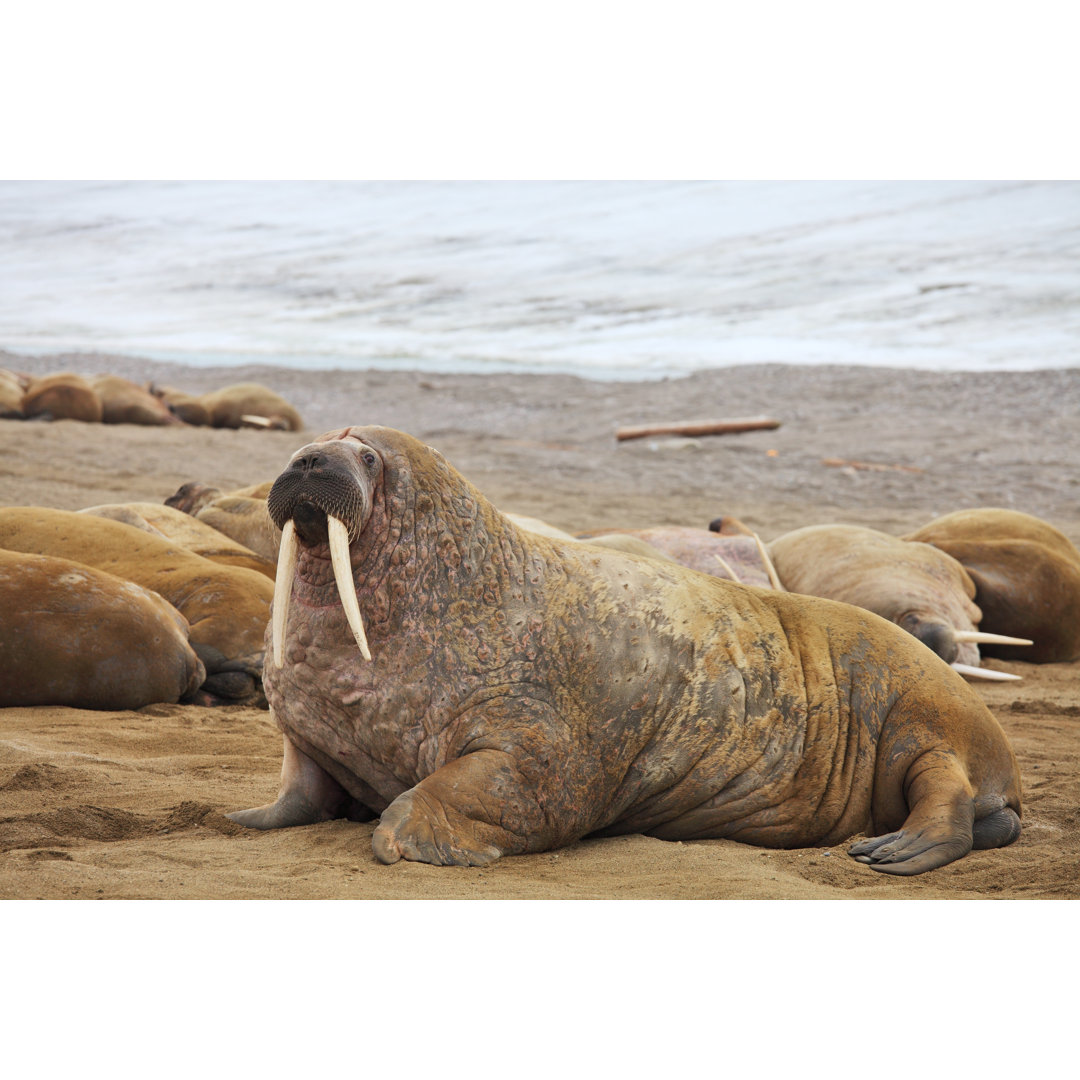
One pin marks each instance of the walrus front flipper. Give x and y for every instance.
(308, 795)
(467, 813)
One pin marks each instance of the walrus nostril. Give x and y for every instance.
(313, 460)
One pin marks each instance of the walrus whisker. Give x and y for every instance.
(774, 577)
(727, 566)
(988, 638)
(984, 673)
(283, 582)
(343, 575)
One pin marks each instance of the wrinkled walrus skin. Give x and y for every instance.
(525, 692)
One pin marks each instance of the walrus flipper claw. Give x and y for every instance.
(905, 853)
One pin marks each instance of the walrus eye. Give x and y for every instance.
(369, 459)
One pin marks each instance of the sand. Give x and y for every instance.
(116, 805)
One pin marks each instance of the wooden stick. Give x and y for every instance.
(843, 463)
(698, 427)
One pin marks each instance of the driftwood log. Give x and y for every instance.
(698, 427)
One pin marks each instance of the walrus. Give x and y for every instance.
(187, 531)
(923, 590)
(488, 691)
(196, 494)
(186, 407)
(227, 607)
(737, 557)
(239, 405)
(72, 635)
(240, 515)
(12, 389)
(1026, 575)
(64, 396)
(125, 402)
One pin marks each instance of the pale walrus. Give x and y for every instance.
(736, 557)
(520, 692)
(72, 635)
(1026, 575)
(915, 586)
(227, 607)
(65, 396)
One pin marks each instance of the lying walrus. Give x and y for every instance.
(240, 405)
(187, 531)
(125, 402)
(915, 586)
(740, 557)
(240, 515)
(64, 396)
(227, 607)
(513, 693)
(196, 495)
(12, 388)
(1026, 575)
(72, 635)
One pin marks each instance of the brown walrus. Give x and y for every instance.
(522, 692)
(187, 531)
(73, 635)
(65, 396)
(125, 402)
(240, 515)
(240, 405)
(12, 388)
(197, 494)
(227, 607)
(1026, 575)
(916, 586)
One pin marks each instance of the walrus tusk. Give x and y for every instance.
(984, 673)
(339, 556)
(774, 577)
(990, 639)
(727, 566)
(283, 581)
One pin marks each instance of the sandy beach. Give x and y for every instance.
(132, 804)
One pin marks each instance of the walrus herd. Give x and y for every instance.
(111, 399)
(487, 685)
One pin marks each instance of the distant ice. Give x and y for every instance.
(611, 280)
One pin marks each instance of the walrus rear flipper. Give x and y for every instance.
(945, 821)
(996, 823)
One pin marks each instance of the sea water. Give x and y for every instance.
(620, 279)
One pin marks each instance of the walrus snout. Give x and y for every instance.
(936, 636)
(319, 478)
